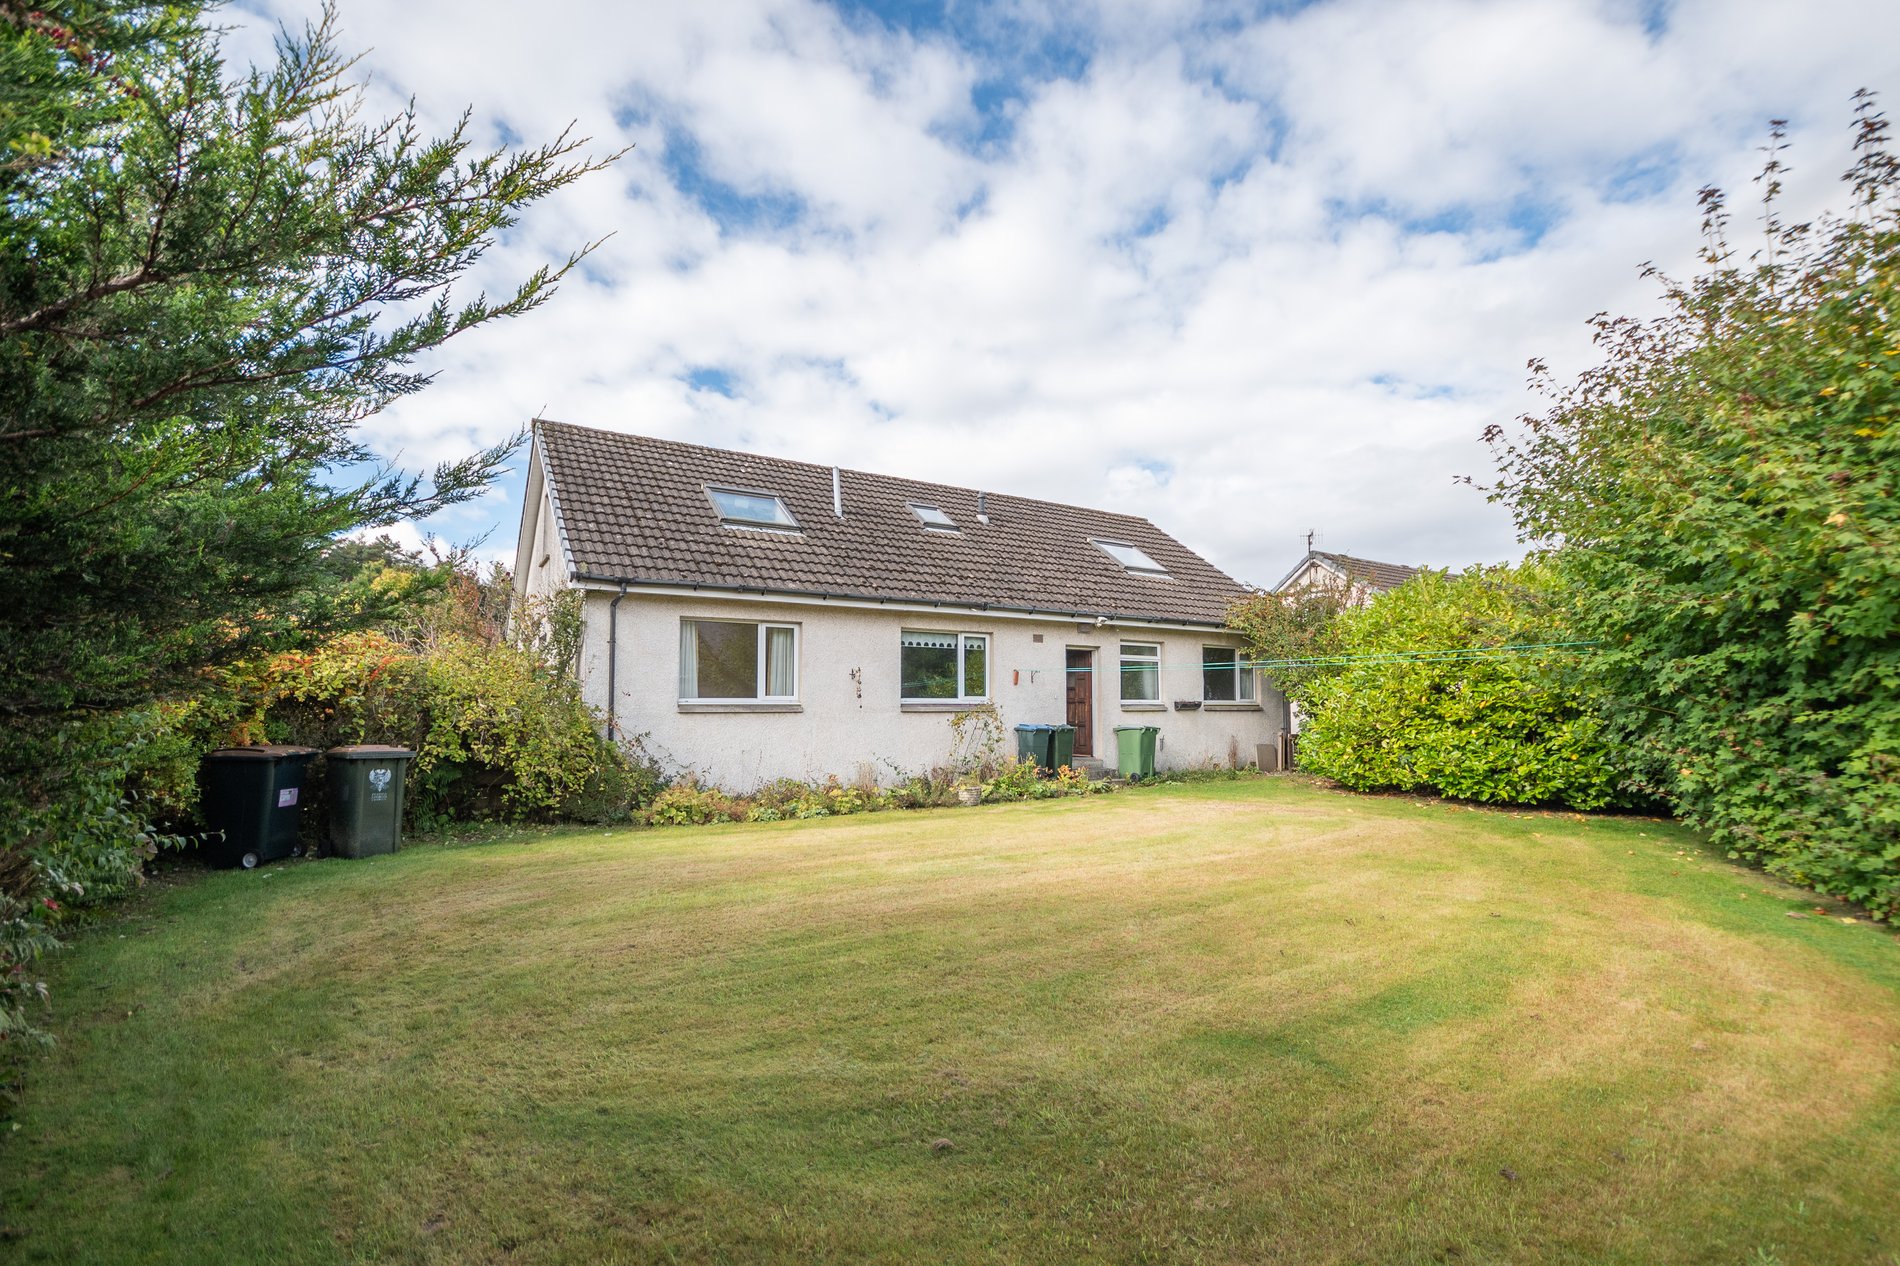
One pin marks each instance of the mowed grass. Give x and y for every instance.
(1254, 1021)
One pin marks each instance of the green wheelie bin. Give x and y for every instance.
(1061, 746)
(251, 798)
(365, 786)
(1135, 750)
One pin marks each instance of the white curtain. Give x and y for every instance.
(779, 681)
(689, 660)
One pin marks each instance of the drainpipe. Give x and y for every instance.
(613, 660)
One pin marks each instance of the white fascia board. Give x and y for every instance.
(554, 503)
(899, 605)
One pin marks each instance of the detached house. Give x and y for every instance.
(755, 618)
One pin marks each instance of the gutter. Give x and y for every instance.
(870, 600)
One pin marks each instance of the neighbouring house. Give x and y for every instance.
(1361, 578)
(754, 618)
(1368, 579)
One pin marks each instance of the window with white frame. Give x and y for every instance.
(1141, 672)
(1226, 677)
(730, 661)
(953, 666)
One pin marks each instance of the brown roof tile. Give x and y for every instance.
(634, 509)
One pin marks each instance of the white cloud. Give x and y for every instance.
(1247, 275)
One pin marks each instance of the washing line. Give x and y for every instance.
(1447, 655)
(1460, 654)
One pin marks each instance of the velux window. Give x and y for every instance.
(729, 661)
(1129, 556)
(1226, 677)
(744, 508)
(945, 665)
(1141, 672)
(933, 518)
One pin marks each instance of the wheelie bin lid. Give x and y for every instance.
(271, 751)
(370, 751)
(1120, 728)
(1035, 727)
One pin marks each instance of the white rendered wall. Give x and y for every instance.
(848, 717)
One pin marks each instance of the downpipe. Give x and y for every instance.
(613, 664)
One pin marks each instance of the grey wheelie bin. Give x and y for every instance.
(365, 790)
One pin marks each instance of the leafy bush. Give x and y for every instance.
(1014, 780)
(686, 803)
(77, 833)
(1726, 488)
(933, 789)
(1517, 729)
(496, 732)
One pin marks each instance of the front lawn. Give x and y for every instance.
(1229, 1022)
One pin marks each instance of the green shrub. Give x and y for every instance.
(76, 803)
(933, 789)
(1014, 780)
(686, 803)
(497, 733)
(1725, 487)
(1517, 729)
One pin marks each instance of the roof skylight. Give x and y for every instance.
(932, 517)
(1129, 556)
(744, 508)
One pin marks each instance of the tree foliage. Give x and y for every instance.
(1294, 625)
(208, 284)
(1515, 729)
(205, 287)
(1723, 488)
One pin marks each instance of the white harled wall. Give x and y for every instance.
(848, 717)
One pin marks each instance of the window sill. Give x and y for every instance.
(1210, 706)
(687, 705)
(941, 705)
(1143, 705)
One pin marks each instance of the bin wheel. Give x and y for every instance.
(249, 861)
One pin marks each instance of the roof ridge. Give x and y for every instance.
(848, 470)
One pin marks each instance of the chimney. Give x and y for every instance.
(837, 492)
(982, 512)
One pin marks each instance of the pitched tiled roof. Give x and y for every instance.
(1378, 577)
(635, 509)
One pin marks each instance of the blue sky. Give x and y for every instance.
(1247, 269)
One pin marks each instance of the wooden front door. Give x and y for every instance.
(1082, 700)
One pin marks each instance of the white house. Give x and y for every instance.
(754, 618)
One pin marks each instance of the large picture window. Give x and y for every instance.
(726, 660)
(952, 666)
(1225, 676)
(1141, 672)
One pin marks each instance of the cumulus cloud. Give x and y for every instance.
(1247, 272)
